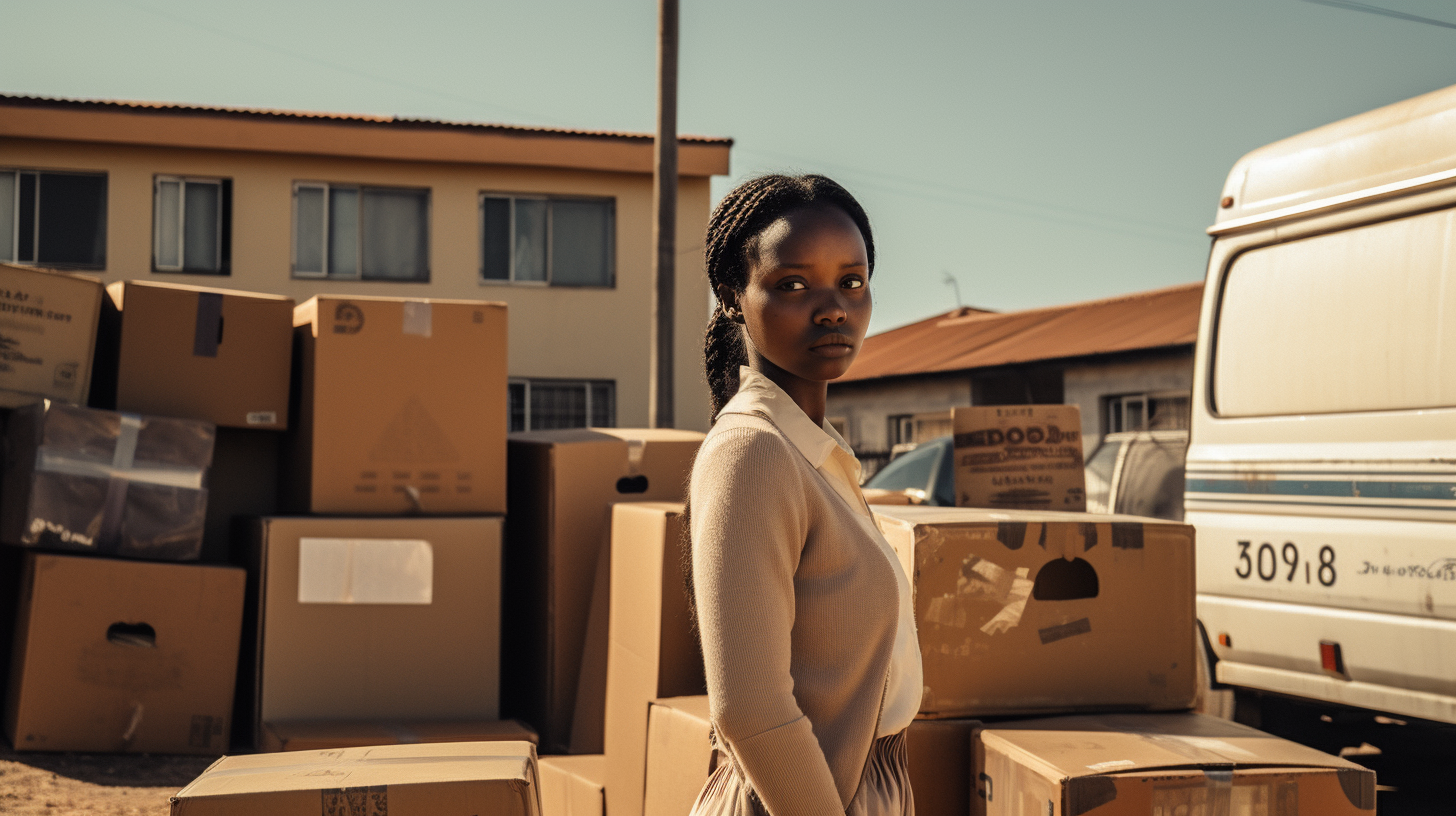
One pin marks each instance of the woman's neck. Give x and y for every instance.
(810, 395)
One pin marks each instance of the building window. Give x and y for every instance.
(1145, 412)
(361, 233)
(913, 429)
(53, 219)
(555, 241)
(191, 225)
(540, 405)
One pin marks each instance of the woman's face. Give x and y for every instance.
(807, 303)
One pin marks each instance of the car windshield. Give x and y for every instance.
(908, 470)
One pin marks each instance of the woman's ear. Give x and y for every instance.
(728, 299)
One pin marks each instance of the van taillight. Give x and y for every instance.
(1330, 658)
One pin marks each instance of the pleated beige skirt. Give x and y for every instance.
(884, 790)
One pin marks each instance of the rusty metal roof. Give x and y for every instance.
(17, 100)
(970, 338)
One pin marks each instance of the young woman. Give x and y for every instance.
(803, 609)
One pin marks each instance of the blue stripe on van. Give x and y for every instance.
(1346, 488)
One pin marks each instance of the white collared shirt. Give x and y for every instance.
(828, 453)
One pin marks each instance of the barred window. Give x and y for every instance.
(537, 405)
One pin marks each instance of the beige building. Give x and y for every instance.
(555, 223)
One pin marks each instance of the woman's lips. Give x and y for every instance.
(833, 345)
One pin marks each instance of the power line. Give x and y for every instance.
(994, 202)
(1351, 5)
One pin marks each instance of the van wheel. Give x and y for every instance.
(1210, 700)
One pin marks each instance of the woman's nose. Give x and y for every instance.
(830, 313)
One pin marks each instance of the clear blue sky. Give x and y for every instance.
(1041, 151)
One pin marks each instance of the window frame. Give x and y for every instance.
(1109, 401)
(36, 260)
(549, 198)
(586, 384)
(361, 189)
(224, 215)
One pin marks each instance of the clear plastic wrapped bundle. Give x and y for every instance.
(105, 482)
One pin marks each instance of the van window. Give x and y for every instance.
(1358, 320)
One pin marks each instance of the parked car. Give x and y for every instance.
(1139, 473)
(923, 475)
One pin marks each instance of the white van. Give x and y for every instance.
(1321, 469)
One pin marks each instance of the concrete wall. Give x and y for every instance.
(867, 406)
(554, 331)
(1085, 385)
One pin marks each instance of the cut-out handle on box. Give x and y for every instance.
(1063, 580)
(632, 484)
(132, 634)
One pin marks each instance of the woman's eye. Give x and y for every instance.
(792, 286)
(853, 283)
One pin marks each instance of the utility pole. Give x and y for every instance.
(664, 206)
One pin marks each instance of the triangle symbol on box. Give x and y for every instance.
(413, 436)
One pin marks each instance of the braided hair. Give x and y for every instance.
(732, 245)
(733, 232)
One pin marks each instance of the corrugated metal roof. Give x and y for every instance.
(15, 100)
(965, 339)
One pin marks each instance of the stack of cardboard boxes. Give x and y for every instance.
(1043, 613)
(376, 616)
(150, 444)
(1020, 614)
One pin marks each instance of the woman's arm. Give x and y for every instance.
(749, 524)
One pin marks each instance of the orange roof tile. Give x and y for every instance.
(20, 100)
(965, 339)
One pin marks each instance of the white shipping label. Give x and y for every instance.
(365, 571)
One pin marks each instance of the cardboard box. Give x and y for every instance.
(123, 656)
(1025, 457)
(218, 355)
(102, 482)
(47, 335)
(1072, 611)
(563, 484)
(652, 651)
(940, 766)
(322, 735)
(680, 755)
(402, 407)
(1160, 763)
(376, 619)
(573, 785)
(449, 779)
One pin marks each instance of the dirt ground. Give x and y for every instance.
(93, 784)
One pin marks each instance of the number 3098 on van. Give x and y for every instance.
(1321, 468)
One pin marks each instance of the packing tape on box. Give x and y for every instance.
(418, 319)
(207, 332)
(120, 472)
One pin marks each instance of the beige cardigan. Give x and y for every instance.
(798, 609)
